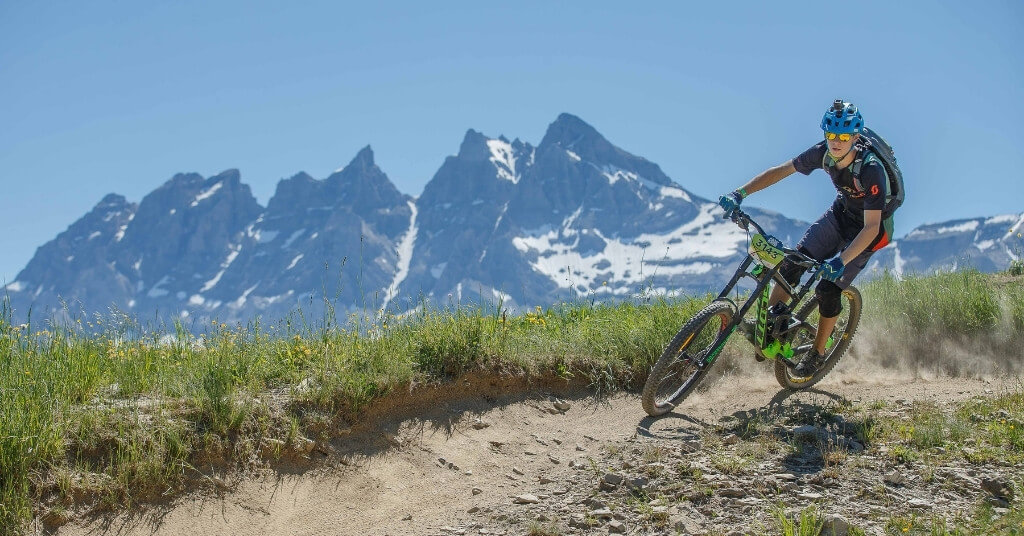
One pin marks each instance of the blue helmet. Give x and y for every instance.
(842, 118)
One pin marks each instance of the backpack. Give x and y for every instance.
(881, 151)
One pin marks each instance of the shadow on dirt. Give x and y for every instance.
(810, 421)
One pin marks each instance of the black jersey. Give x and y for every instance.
(865, 192)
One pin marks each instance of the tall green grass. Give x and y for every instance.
(960, 303)
(956, 322)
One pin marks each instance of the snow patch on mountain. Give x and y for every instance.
(1004, 218)
(614, 174)
(224, 266)
(504, 159)
(240, 302)
(623, 262)
(205, 194)
(962, 228)
(291, 239)
(156, 291)
(405, 249)
(672, 191)
(1016, 228)
(263, 236)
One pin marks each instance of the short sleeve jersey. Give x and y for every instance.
(856, 196)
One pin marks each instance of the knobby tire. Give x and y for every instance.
(676, 373)
(852, 303)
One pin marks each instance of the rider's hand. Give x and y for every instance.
(833, 269)
(730, 202)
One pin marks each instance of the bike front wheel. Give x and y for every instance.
(842, 336)
(678, 371)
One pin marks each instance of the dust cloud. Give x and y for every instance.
(880, 355)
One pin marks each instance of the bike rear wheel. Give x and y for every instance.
(677, 371)
(842, 336)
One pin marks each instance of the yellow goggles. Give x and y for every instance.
(842, 137)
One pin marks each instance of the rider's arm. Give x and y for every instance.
(873, 180)
(872, 223)
(769, 177)
(805, 162)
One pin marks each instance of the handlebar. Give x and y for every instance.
(744, 221)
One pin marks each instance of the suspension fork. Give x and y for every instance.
(761, 288)
(760, 274)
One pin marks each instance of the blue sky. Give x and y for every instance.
(100, 97)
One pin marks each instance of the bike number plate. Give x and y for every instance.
(768, 254)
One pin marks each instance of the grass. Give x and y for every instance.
(946, 320)
(985, 430)
(984, 521)
(537, 528)
(807, 523)
(103, 412)
(961, 303)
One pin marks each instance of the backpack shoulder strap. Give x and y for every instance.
(870, 156)
(864, 155)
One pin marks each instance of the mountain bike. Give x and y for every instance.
(784, 335)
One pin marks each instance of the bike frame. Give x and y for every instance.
(752, 267)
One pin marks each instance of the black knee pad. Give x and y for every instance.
(830, 301)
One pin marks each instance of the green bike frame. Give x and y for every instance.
(762, 263)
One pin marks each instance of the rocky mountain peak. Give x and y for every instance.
(569, 137)
(182, 180)
(293, 192)
(231, 176)
(474, 147)
(363, 161)
(112, 200)
(571, 132)
(361, 168)
(361, 186)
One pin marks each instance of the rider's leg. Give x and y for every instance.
(821, 241)
(791, 273)
(778, 294)
(825, 327)
(830, 304)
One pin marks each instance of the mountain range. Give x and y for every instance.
(501, 222)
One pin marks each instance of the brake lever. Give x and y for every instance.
(740, 221)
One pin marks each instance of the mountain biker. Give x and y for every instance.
(851, 230)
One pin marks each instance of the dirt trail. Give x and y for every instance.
(427, 474)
